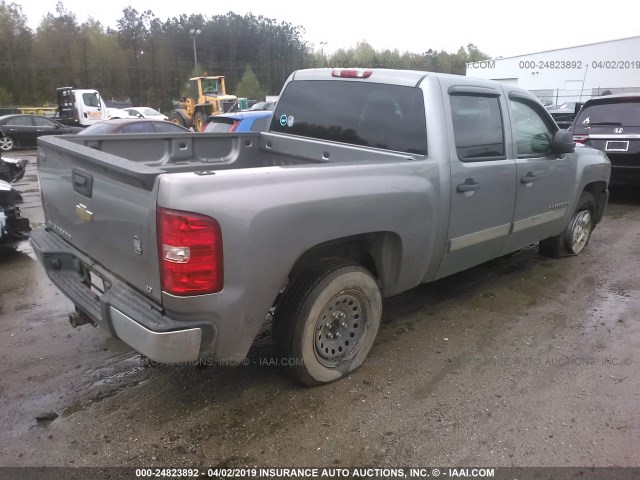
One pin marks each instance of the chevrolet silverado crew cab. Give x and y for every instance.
(368, 183)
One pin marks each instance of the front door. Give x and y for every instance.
(543, 197)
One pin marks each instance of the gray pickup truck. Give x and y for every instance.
(368, 183)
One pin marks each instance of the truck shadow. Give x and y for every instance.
(624, 195)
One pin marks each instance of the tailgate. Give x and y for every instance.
(105, 206)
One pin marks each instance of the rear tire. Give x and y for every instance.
(7, 143)
(327, 321)
(576, 234)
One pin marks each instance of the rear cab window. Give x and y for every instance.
(390, 117)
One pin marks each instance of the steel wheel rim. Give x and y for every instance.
(340, 328)
(6, 143)
(580, 231)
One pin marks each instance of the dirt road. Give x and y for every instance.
(524, 361)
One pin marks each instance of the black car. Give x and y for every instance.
(612, 124)
(132, 125)
(24, 130)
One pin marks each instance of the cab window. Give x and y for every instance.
(477, 127)
(91, 100)
(534, 132)
(21, 121)
(44, 122)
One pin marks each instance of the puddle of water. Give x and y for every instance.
(109, 382)
(608, 309)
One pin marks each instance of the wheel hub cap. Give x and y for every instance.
(340, 328)
(580, 231)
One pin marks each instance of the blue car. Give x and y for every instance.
(250, 121)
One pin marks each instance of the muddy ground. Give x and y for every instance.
(524, 361)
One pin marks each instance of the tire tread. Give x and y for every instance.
(293, 301)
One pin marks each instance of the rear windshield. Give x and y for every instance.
(219, 125)
(623, 113)
(360, 113)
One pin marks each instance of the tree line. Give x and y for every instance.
(147, 60)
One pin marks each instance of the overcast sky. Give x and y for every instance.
(497, 27)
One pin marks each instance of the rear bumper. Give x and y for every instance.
(125, 312)
(167, 347)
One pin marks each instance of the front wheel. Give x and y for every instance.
(199, 122)
(327, 321)
(6, 144)
(576, 234)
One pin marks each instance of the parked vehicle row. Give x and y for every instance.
(132, 125)
(22, 131)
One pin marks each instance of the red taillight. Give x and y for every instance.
(351, 73)
(234, 126)
(190, 249)
(580, 138)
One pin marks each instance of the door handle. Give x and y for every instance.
(528, 178)
(82, 182)
(468, 186)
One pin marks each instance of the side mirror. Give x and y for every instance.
(563, 142)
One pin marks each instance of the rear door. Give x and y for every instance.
(482, 177)
(22, 129)
(545, 181)
(44, 126)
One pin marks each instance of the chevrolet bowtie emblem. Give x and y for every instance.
(83, 214)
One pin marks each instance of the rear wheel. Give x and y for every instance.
(327, 321)
(576, 234)
(6, 143)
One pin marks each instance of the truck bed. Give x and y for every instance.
(199, 152)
